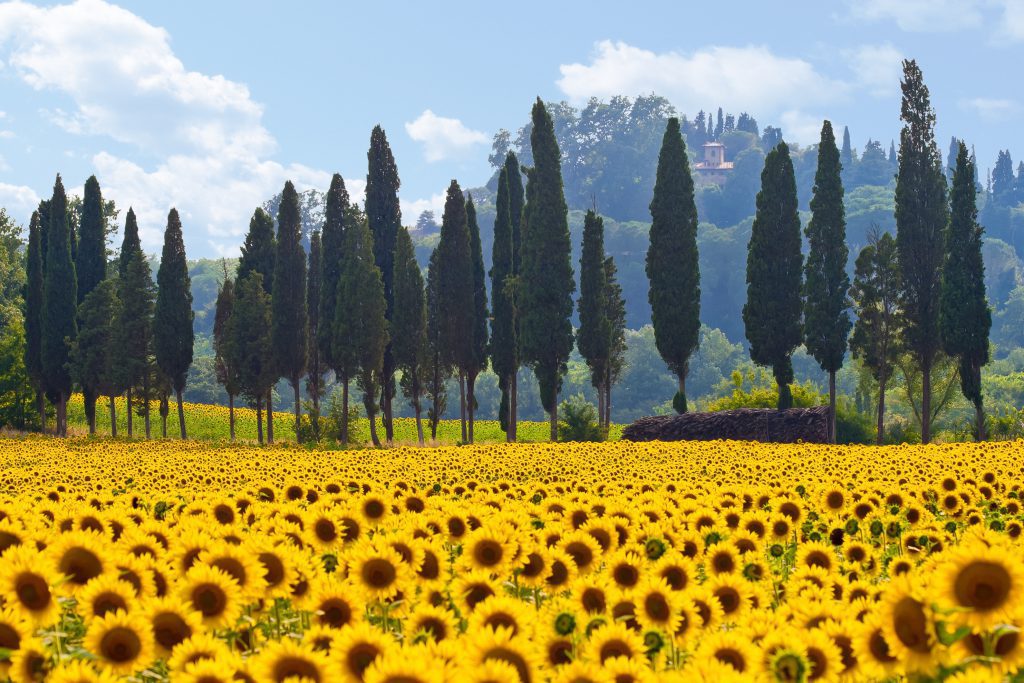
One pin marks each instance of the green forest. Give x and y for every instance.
(596, 264)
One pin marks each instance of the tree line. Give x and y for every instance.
(358, 306)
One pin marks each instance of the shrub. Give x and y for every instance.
(578, 421)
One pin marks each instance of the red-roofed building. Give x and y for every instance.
(714, 169)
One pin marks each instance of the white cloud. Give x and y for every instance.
(212, 155)
(1012, 25)
(738, 78)
(877, 68)
(992, 109)
(19, 200)
(933, 16)
(443, 138)
(411, 210)
(801, 127)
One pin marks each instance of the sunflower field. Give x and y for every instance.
(575, 563)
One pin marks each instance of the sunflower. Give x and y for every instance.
(323, 529)
(407, 665)
(733, 593)
(561, 570)
(873, 652)
(212, 593)
(196, 648)
(356, 648)
(815, 554)
(469, 589)
(824, 655)
(26, 581)
(982, 580)
(106, 594)
(732, 648)
(625, 568)
(431, 623)
(79, 556)
(377, 570)
(79, 671)
(278, 569)
(171, 622)
(783, 657)
(224, 670)
(122, 642)
(533, 566)
(488, 549)
(583, 672)
(14, 630)
(656, 605)
(623, 670)
(1003, 650)
(374, 509)
(286, 659)
(583, 549)
(335, 604)
(722, 558)
(489, 671)
(615, 639)
(501, 611)
(908, 627)
(241, 564)
(490, 645)
(842, 636)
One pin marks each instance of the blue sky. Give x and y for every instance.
(210, 106)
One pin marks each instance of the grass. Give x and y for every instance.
(210, 423)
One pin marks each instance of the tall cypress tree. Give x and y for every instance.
(134, 328)
(846, 156)
(248, 338)
(93, 354)
(964, 314)
(288, 300)
(90, 265)
(546, 279)
(224, 362)
(360, 328)
(672, 261)
(504, 351)
(34, 313)
(921, 218)
(516, 200)
(826, 319)
(455, 291)
(315, 369)
(478, 342)
(258, 253)
(771, 316)
(333, 244)
(60, 303)
(438, 369)
(615, 311)
(172, 316)
(409, 327)
(385, 218)
(593, 338)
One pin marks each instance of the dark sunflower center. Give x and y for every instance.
(656, 607)
(120, 645)
(169, 629)
(733, 658)
(487, 552)
(209, 599)
(273, 569)
(337, 612)
(982, 585)
(360, 657)
(108, 602)
(32, 591)
(296, 667)
(81, 565)
(511, 657)
(378, 573)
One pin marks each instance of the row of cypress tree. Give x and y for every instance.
(99, 326)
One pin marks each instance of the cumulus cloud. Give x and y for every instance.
(992, 109)
(442, 137)
(922, 15)
(19, 199)
(738, 78)
(877, 68)
(212, 155)
(411, 210)
(1011, 27)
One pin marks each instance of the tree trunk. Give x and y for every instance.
(600, 404)
(832, 406)
(129, 414)
(270, 415)
(926, 402)
(682, 389)
(314, 418)
(181, 415)
(608, 406)
(419, 419)
(145, 405)
(554, 415)
(462, 404)
(298, 411)
(259, 419)
(513, 407)
(113, 417)
(344, 413)
(373, 431)
(89, 401)
(388, 408)
(979, 416)
(62, 416)
(435, 406)
(470, 400)
(41, 409)
(163, 422)
(880, 433)
(231, 416)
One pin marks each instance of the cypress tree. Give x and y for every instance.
(360, 327)
(315, 370)
(504, 351)
(438, 370)
(615, 311)
(94, 354)
(134, 327)
(546, 279)
(34, 313)
(409, 327)
(333, 243)
(248, 337)
(479, 314)
(672, 261)
(455, 291)
(964, 314)
(876, 334)
(172, 316)
(91, 266)
(593, 338)
(921, 218)
(288, 299)
(385, 218)
(771, 316)
(60, 301)
(826, 320)
(516, 200)
(224, 361)
(258, 253)
(846, 156)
